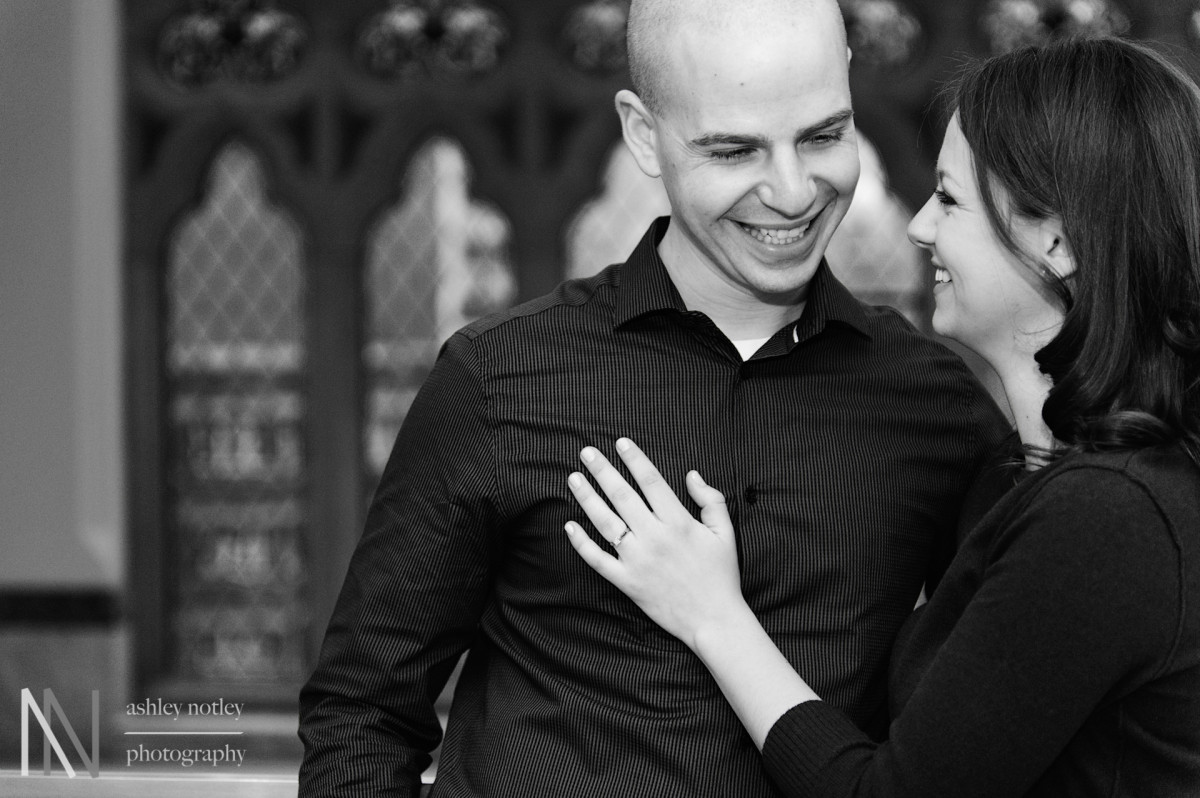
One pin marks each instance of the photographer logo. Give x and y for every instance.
(44, 716)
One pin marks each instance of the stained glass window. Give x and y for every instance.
(435, 262)
(235, 359)
(870, 251)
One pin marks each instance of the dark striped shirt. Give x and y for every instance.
(844, 446)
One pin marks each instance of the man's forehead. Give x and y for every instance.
(717, 12)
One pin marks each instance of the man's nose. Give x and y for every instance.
(788, 187)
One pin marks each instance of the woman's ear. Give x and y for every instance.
(639, 128)
(1055, 248)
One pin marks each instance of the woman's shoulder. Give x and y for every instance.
(1163, 477)
(1107, 504)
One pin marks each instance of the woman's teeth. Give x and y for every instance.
(777, 237)
(941, 276)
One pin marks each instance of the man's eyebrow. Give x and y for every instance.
(735, 139)
(750, 140)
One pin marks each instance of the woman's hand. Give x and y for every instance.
(683, 573)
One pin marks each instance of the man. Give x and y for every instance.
(844, 442)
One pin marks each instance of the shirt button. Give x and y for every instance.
(751, 495)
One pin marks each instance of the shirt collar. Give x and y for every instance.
(646, 288)
(645, 285)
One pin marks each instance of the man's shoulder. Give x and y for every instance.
(915, 363)
(899, 340)
(574, 302)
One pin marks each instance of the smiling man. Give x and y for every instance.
(844, 441)
(745, 114)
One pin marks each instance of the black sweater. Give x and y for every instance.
(1060, 656)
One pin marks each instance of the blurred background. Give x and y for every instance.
(234, 234)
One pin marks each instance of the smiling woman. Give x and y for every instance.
(986, 298)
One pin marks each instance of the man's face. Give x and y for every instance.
(757, 150)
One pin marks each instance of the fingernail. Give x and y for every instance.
(575, 480)
(696, 476)
(588, 454)
(569, 528)
(623, 444)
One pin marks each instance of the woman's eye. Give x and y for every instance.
(944, 199)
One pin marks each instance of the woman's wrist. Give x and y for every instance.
(723, 628)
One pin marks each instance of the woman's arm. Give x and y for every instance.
(683, 573)
(1078, 606)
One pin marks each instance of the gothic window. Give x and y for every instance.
(608, 227)
(235, 357)
(435, 262)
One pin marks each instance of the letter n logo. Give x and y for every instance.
(50, 706)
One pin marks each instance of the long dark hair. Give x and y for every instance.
(1105, 135)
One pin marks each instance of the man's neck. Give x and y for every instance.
(738, 313)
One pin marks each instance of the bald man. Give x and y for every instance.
(844, 441)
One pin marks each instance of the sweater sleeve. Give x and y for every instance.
(1079, 601)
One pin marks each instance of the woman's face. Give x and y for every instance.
(984, 297)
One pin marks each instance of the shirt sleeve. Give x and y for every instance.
(412, 598)
(1080, 598)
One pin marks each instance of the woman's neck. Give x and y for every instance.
(1026, 388)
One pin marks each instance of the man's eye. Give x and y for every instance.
(730, 155)
(828, 138)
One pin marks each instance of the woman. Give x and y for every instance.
(1060, 655)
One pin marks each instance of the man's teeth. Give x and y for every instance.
(941, 276)
(777, 237)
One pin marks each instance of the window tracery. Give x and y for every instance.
(240, 40)
(1009, 24)
(458, 37)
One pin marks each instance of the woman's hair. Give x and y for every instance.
(1103, 134)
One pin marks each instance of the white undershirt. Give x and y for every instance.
(747, 347)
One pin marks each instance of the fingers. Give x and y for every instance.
(608, 523)
(714, 513)
(658, 493)
(625, 500)
(601, 561)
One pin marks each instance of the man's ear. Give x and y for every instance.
(639, 127)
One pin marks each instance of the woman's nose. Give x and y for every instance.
(921, 228)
